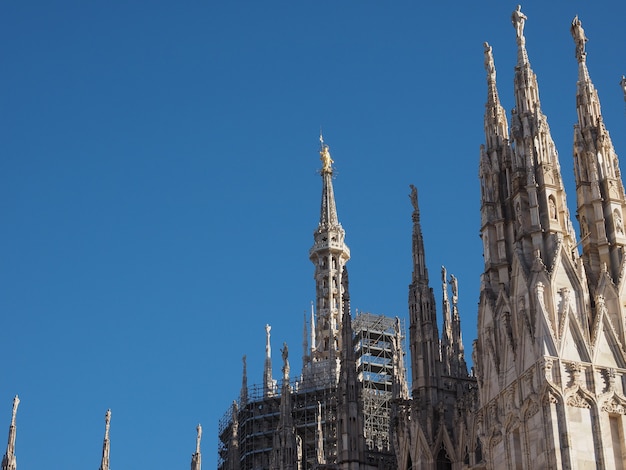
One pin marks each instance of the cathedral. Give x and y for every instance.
(546, 384)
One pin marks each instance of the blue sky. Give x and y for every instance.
(159, 191)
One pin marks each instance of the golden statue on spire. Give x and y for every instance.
(325, 157)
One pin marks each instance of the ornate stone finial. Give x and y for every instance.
(578, 33)
(107, 423)
(106, 445)
(622, 83)
(16, 402)
(518, 19)
(413, 197)
(325, 156)
(198, 437)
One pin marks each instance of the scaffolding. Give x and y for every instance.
(256, 419)
(373, 341)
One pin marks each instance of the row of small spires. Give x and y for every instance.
(9, 461)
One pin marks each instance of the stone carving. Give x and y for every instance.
(198, 438)
(539, 295)
(619, 224)
(576, 373)
(455, 288)
(509, 331)
(550, 399)
(608, 375)
(578, 33)
(552, 205)
(577, 401)
(613, 406)
(285, 354)
(532, 408)
(413, 197)
(547, 369)
(519, 19)
(489, 65)
(16, 402)
(523, 313)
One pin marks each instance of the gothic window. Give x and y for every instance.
(516, 451)
(478, 452)
(443, 461)
(617, 440)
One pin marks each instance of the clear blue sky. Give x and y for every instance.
(159, 192)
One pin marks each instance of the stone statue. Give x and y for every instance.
(444, 274)
(285, 352)
(489, 66)
(578, 33)
(268, 347)
(619, 225)
(623, 85)
(455, 287)
(518, 19)
(198, 438)
(16, 402)
(553, 212)
(413, 196)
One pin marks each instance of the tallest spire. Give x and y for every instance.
(329, 254)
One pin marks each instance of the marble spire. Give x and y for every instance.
(9, 461)
(196, 458)
(328, 254)
(106, 445)
(268, 381)
(601, 202)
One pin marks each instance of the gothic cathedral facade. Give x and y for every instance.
(550, 359)
(547, 389)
